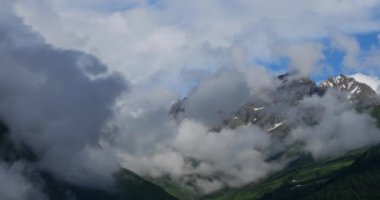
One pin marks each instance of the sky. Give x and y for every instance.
(96, 78)
(175, 43)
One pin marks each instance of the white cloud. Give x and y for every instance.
(350, 46)
(304, 58)
(356, 59)
(154, 46)
(144, 40)
(232, 157)
(340, 128)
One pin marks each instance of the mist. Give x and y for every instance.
(341, 127)
(15, 186)
(191, 150)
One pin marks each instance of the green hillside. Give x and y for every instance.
(297, 175)
(355, 175)
(360, 180)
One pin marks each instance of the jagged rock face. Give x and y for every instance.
(177, 109)
(355, 90)
(293, 90)
(269, 115)
(272, 116)
(266, 116)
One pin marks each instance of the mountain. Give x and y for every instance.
(271, 116)
(127, 186)
(357, 91)
(304, 178)
(344, 83)
(354, 175)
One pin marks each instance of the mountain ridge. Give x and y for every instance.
(287, 95)
(290, 92)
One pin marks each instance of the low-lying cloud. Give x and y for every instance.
(15, 186)
(190, 151)
(84, 120)
(340, 127)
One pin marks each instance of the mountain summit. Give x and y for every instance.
(271, 115)
(356, 90)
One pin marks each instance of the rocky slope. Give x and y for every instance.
(356, 91)
(272, 116)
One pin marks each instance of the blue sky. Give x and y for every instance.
(334, 57)
(332, 64)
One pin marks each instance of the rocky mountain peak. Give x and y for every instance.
(287, 95)
(294, 89)
(355, 89)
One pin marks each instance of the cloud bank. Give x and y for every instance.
(160, 39)
(82, 118)
(56, 102)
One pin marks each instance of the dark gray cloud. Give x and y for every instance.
(56, 101)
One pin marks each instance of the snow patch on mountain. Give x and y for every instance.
(372, 81)
(276, 126)
(355, 90)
